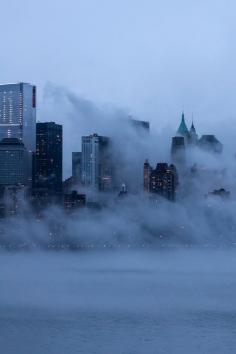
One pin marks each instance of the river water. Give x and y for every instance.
(118, 302)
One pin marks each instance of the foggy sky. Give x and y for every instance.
(153, 58)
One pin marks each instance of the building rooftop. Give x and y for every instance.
(183, 130)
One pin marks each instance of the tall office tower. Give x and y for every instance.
(18, 113)
(178, 150)
(164, 180)
(13, 163)
(76, 166)
(97, 162)
(48, 158)
(146, 175)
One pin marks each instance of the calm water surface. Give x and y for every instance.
(118, 302)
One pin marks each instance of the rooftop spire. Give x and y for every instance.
(192, 129)
(193, 134)
(183, 130)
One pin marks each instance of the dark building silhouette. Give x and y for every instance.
(48, 159)
(12, 200)
(163, 180)
(223, 193)
(210, 143)
(178, 150)
(14, 163)
(69, 184)
(146, 176)
(73, 201)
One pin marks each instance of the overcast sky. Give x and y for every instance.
(151, 57)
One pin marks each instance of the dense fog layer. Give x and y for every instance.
(196, 217)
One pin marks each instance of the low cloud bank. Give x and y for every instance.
(135, 222)
(196, 218)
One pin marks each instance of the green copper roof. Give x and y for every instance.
(183, 130)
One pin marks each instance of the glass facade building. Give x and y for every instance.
(96, 162)
(18, 113)
(13, 162)
(48, 157)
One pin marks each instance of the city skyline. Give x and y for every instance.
(117, 177)
(98, 166)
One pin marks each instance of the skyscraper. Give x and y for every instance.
(96, 162)
(164, 180)
(48, 157)
(13, 163)
(76, 166)
(18, 113)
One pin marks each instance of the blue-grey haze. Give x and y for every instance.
(95, 62)
(152, 57)
(125, 302)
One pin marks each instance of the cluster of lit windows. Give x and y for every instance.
(12, 166)
(15, 108)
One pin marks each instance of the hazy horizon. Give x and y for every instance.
(151, 58)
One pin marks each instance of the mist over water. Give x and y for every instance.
(135, 223)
